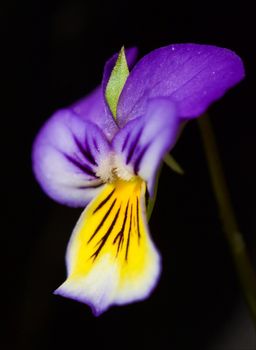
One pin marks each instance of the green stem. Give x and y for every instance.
(235, 239)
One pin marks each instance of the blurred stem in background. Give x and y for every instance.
(243, 265)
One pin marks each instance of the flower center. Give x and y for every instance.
(113, 167)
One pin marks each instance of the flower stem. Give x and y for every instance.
(235, 240)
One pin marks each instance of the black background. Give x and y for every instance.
(54, 54)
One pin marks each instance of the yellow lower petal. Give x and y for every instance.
(110, 257)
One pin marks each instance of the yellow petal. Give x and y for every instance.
(110, 257)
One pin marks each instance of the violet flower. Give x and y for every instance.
(103, 153)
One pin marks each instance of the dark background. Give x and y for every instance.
(54, 54)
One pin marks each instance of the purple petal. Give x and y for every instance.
(66, 155)
(142, 143)
(193, 75)
(94, 109)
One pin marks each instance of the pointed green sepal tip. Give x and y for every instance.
(172, 164)
(116, 81)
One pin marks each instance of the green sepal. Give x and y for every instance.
(172, 164)
(152, 200)
(116, 82)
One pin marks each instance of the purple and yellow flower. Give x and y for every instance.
(103, 153)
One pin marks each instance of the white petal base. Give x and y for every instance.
(99, 289)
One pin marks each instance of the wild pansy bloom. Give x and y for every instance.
(103, 153)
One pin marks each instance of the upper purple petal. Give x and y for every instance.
(93, 108)
(66, 155)
(192, 75)
(143, 141)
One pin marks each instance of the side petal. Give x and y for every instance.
(143, 142)
(193, 75)
(66, 155)
(110, 257)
